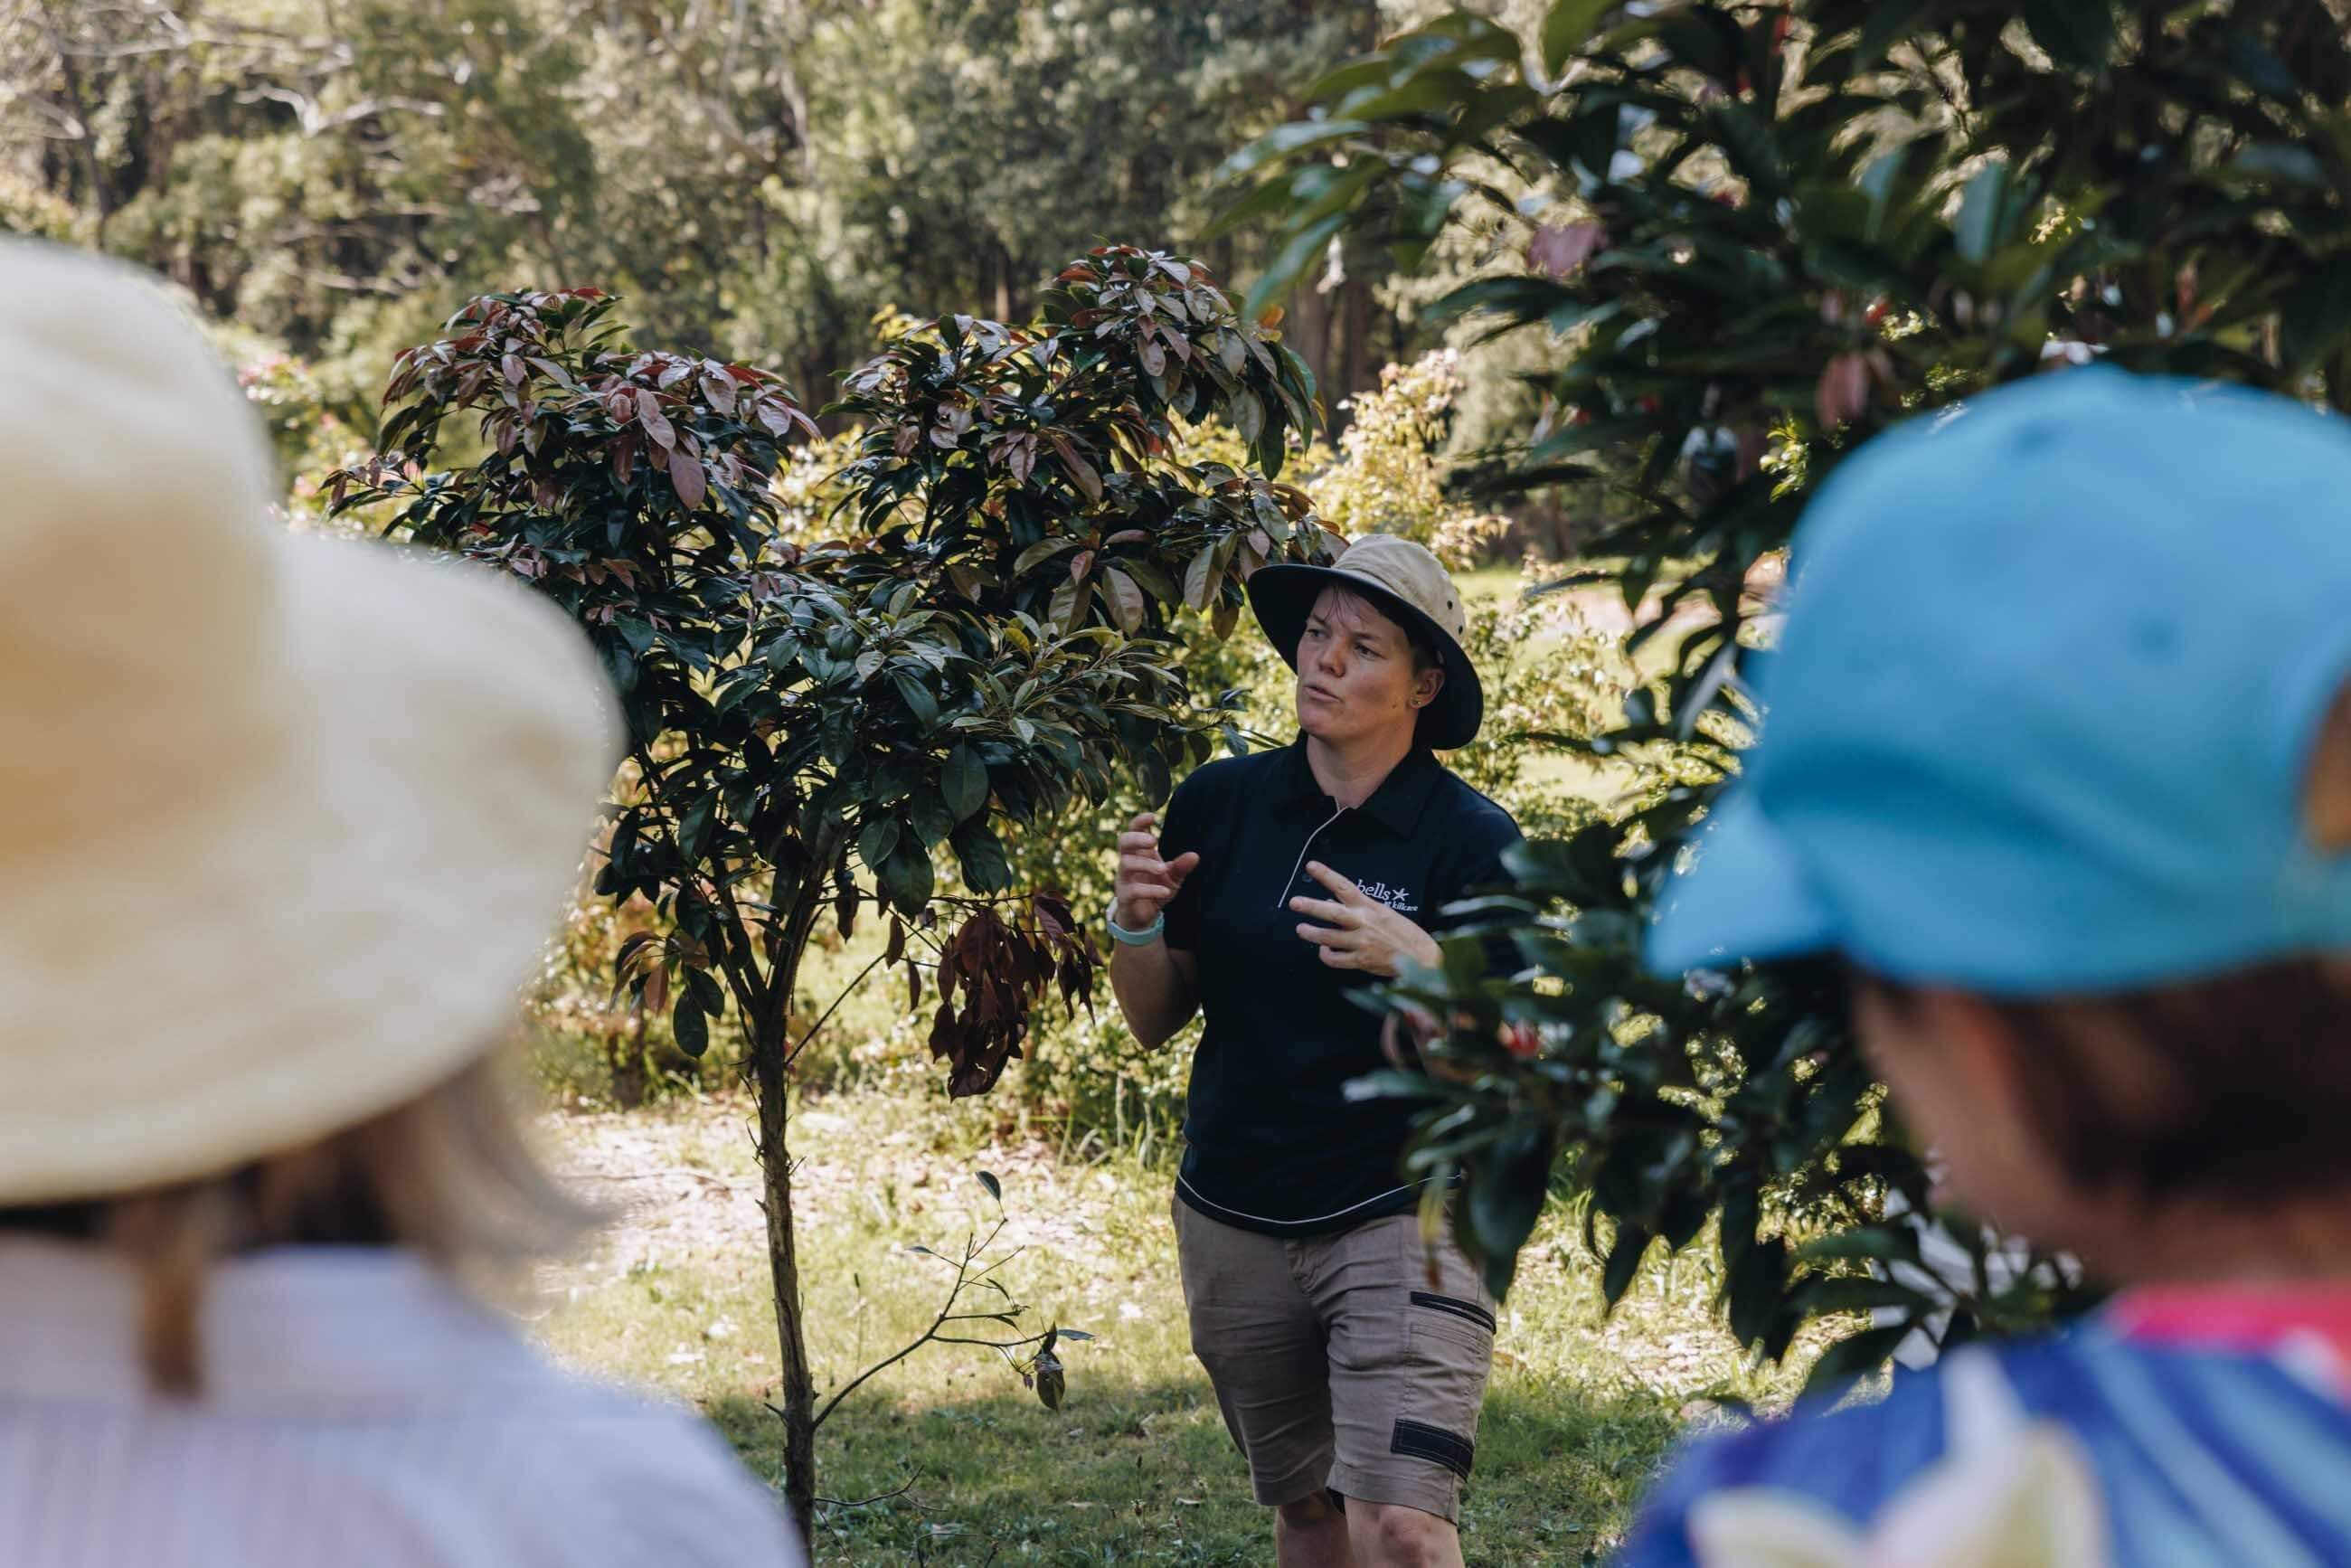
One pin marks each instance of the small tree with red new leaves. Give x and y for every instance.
(988, 639)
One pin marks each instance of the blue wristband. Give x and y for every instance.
(1143, 938)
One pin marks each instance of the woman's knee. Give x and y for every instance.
(1307, 1511)
(1392, 1535)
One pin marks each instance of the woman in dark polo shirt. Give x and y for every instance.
(1283, 881)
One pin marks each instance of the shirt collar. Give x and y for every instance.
(1396, 805)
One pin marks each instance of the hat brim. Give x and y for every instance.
(356, 923)
(1283, 595)
(1745, 897)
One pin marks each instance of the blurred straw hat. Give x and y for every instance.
(284, 821)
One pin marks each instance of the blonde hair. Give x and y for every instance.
(448, 1175)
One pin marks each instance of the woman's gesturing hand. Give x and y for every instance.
(1145, 882)
(1359, 931)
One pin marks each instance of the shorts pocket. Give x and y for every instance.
(1457, 1307)
(1451, 1345)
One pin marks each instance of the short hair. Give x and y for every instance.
(2234, 1087)
(449, 1175)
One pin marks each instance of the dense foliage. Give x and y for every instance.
(985, 641)
(1746, 236)
(759, 176)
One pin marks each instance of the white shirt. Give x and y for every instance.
(359, 1411)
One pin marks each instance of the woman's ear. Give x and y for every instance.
(1426, 684)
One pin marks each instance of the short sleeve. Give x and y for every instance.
(1180, 832)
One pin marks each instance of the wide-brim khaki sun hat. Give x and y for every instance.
(284, 821)
(1407, 584)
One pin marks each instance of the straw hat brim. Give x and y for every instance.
(348, 926)
(1283, 595)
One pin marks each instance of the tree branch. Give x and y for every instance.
(794, 1054)
(869, 1501)
(963, 1280)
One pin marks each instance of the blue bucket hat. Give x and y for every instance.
(2052, 667)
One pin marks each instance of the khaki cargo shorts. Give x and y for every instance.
(1337, 1362)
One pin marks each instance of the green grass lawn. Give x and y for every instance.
(1135, 1468)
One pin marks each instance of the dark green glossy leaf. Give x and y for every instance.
(980, 853)
(965, 782)
(687, 1022)
(878, 840)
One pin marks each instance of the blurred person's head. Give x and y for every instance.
(2056, 754)
(288, 819)
(1376, 641)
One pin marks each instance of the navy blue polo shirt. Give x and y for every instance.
(1273, 1144)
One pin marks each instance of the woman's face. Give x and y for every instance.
(1355, 679)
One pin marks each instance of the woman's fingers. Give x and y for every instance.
(1144, 876)
(1347, 891)
(1143, 880)
(1320, 909)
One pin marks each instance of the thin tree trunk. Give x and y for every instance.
(85, 144)
(1355, 373)
(1307, 333)
(770, 1070)
(799, 1390)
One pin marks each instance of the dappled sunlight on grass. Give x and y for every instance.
(1135, 1468)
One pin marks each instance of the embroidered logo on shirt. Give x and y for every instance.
(1396, 898)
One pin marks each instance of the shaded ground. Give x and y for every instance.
(1135, 1468)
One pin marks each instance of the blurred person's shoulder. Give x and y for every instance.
(1848, 1459)
(2275, 1425)
(653, 1481)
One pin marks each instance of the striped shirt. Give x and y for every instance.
(2196, 1456)
(359, 1411)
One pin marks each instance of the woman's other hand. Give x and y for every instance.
(1145, 882)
